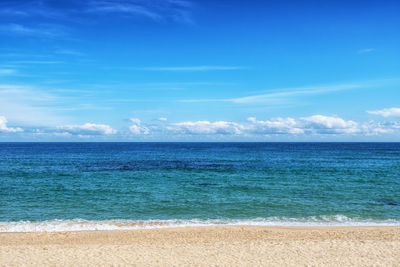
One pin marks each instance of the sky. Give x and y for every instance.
(199, 70)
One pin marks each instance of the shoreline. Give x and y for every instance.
(207, 245)
(73, 225)
(179, 227)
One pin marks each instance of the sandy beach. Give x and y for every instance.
(205, 246)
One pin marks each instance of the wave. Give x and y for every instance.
(104, 225)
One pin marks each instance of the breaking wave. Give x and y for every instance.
(87, 225)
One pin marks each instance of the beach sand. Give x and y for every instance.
(205, 246)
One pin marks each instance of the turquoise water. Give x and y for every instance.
(130, 184)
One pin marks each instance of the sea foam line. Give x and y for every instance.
(92, 225)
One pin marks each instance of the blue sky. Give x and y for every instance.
(186, 70)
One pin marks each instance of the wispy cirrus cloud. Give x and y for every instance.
(122, 7)
(69, 52)
(56, 21)
(44, 30)
(192, 68)
(23, 55)
(279, 96)
(35, 62)
(29, 105)
(365, 50)
(29, 8)
(4, 72)
(157, 10)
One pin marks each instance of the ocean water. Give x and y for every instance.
(95, 186)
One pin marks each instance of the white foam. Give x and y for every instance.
(85, 225)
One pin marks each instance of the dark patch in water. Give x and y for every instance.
(389, 202)
(138, 165)
(207, 184)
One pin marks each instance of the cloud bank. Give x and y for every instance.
(314, 126)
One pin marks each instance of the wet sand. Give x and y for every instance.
(205, 246)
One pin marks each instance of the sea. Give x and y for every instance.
(119, 186)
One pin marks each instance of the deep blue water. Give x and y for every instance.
(186, 181)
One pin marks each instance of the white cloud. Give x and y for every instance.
(274, 126)
(379, 128)
(4, 128)
(137, 127)
(162, 119)
(135, 121)
(35, 62)
(387, 112)
(206, 127)
(316, 124)
(330, 125)
(87, 129)
(376, 128)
